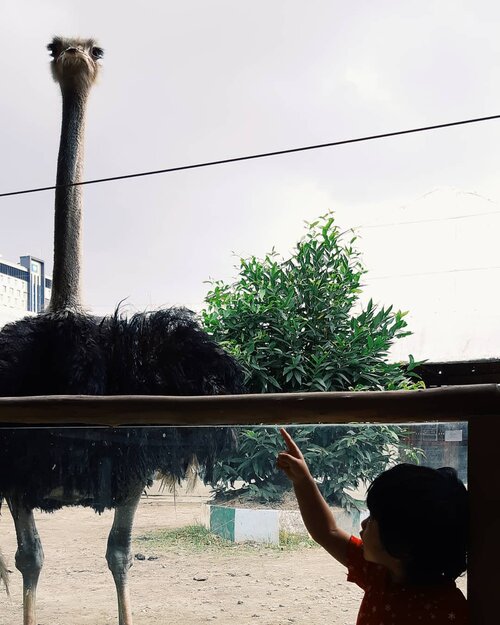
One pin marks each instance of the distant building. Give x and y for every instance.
(24, 288)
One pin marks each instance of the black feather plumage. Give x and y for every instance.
(66, 353)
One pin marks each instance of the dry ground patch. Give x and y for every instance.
(246, 586)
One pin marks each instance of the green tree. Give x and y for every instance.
(297, 324)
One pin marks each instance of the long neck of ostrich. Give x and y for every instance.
(66, 278)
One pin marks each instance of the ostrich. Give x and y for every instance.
(65, 350)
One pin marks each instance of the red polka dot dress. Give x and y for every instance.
(388, 603)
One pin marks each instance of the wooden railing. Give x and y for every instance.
(479, 405)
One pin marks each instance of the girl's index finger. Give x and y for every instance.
(290, 443)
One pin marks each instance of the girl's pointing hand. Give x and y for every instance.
(292, 461)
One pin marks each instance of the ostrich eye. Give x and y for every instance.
(98, 53)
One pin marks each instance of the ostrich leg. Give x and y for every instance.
(118, 553)
(29, 557)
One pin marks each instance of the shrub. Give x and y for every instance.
(296, 324)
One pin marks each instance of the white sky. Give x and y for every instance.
(189, 81)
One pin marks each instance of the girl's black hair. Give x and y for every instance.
(422, 517)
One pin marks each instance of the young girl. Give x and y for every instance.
(413, 543)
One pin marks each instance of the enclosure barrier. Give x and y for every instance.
(478, 405)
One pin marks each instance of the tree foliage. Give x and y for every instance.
(297, 324)
(340, 457)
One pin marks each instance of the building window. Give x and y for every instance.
(13, 272)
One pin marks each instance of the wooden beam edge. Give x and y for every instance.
(456, 403)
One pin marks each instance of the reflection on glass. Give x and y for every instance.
(233, 548)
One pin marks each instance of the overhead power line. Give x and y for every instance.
(237, 159)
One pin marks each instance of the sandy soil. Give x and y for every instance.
(263, 587)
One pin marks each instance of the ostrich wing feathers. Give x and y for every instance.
(158, 353)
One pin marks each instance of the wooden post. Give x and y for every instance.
(484, 492)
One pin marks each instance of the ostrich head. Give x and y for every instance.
(75, 62)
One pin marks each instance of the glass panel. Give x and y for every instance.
(241, 554)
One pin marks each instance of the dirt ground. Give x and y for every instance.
(263, 587)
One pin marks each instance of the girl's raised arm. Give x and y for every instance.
(317, 516)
